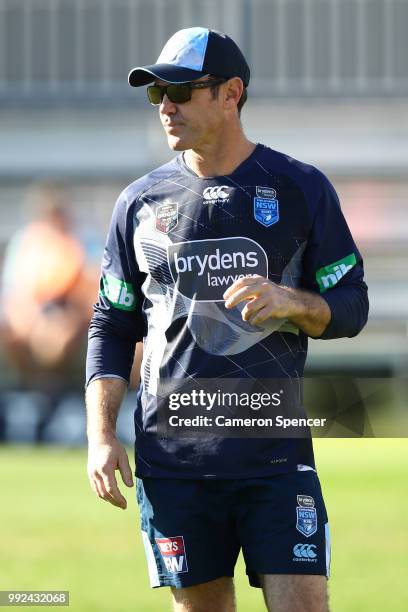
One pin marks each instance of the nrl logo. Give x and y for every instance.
(167, 217)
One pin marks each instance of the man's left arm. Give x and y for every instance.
(333, 301)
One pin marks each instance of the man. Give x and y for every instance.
(224, 261)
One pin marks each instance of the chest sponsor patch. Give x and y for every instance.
(173, 553)
(203, 269)
(266, 206)
(166, 217)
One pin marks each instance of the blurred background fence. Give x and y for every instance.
(329, 86)
(81, 49)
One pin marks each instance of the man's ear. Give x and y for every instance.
(233, 92)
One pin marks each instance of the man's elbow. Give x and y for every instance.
(363, 312)
(349, 312)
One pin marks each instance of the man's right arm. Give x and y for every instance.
(116, 326)
(105, 453)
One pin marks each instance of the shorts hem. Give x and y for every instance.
(165, 581)
(255, 582)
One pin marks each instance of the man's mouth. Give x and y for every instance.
(172, 128)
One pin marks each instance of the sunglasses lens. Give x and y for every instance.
(154, 94)
(175, 93)
(179, 93)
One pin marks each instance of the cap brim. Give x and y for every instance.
(142, 75)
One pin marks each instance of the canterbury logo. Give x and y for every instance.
(304, 550)
(216, 193)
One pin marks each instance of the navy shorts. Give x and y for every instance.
(193, 530)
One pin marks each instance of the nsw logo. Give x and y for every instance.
(173, 553)
(266, 206)
(305, 552)
(306, 520)
(218, 193)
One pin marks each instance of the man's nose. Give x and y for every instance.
(167, 106)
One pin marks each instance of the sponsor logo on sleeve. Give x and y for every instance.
(266, 206)
(203, 269)
(166, 217)
(329, 275)
(173, 553)
(120, 294)
(219, 193)
(305, 553)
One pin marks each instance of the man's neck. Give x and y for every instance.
(219, 158)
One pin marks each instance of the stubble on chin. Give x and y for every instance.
(175, 144)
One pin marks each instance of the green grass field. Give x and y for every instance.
(56, 534)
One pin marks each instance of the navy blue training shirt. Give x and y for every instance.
(176, 242)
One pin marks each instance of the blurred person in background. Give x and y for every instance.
(47, 295)
(224, 261)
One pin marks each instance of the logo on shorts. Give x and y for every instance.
(173, 554)
(305, 552)
(306, 501)
(266, 206)
(306, 515)
(306, 521)
(166, 217)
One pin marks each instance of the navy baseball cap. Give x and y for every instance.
(193, 53)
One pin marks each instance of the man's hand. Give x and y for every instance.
(104, 458)
(265, 299)
(105, 453)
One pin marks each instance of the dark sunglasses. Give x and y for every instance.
(178, 92)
